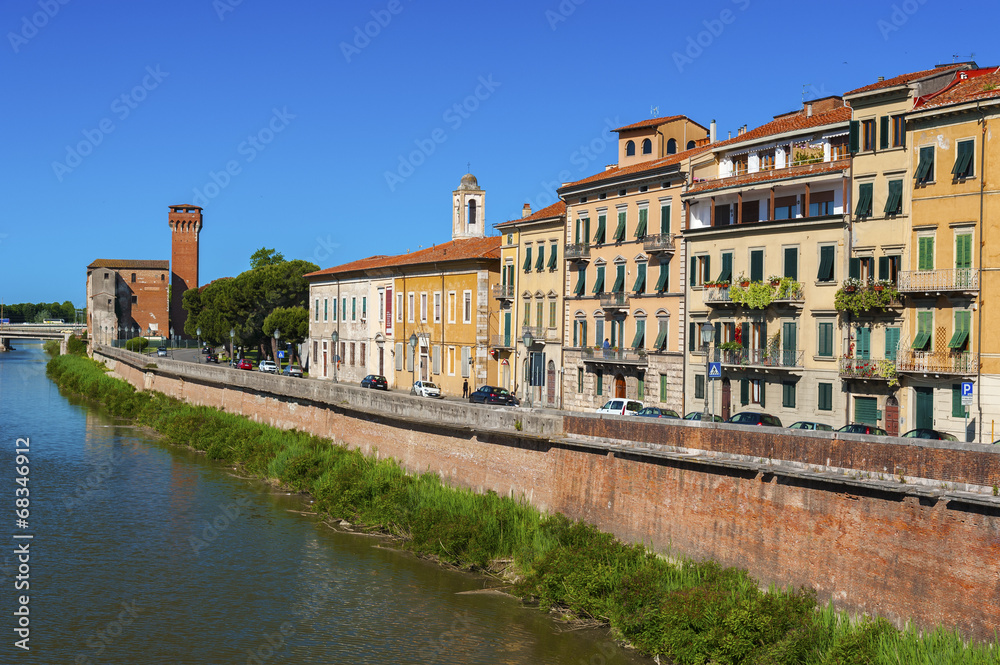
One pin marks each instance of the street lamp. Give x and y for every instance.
(413, 358)
(171, 342)
(198, 331)
(232, 349)
(528, 341)
(334, 337)
(277, 334)
(707, 335)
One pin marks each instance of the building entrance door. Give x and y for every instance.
(381, 361)
(727, 397)
(506, 377)
(924, 408)
(619, 385)
(551, 387)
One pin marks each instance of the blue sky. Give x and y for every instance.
(299, 131)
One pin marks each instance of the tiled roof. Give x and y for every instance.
(555, 210)
(983, 86)
(651, 122)
(456, 250)
(790, 123)
(766, 176)
(138, 264)
(903, 79)
(641, 167)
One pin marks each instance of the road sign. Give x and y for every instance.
(714, 370)
(966, 393)
(281, 354)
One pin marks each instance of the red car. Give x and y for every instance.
(244, 364)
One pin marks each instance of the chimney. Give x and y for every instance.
(809, 109)
(711, 131)
(526, 210)
(881, 78)
(730, 135)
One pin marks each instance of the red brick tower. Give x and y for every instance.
(185, 225)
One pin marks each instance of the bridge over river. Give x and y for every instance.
(41, 331)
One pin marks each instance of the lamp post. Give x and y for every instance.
(334, 337)
(528, 341)
(232, 349)
(277, 363)
(171, 342)
(198, 331)
(707, 335)
(413, 358)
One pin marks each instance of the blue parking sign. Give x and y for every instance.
(966, 388)
(714, 370)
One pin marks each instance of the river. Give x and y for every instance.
(145, 553)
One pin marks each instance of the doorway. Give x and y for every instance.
(924, 408)
(381, 361)
(551, 387)
(619, 386)
(727, 397)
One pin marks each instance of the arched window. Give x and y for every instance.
(671, 146)
(690, 145)
(630, 149)
(647, 146)
(472, 211)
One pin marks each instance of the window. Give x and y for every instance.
(409, 357)
(135, 300)
(864, 207)
(791, 262)
(317, 310)
(671, 146)
(883, 133)
(354, 309)
(399, 356)
(639, 342)
(466, 360)
(699, 386)
(467, 307)
(756, 265)
(827, 259)
(752, 391)
(510, 238)
(825, 397)
(540, 263)
(640, 280)
(599, 282)
(630, 149)
(641, 388)
(399, 307)
(925, 253)
(599, 330)
(957, 408)
(381, 305)
(891, 343)
(700, 267)
(821, 204)
(640, 230)
(663, 283)
(824, 339)
(539, 313)
(888, 268)
(960, 337)
(898, 131)
(620, 231)
(343, 316)
(894, 198)
(726, 273)
(435, 359)
(452, 306)
(647, 147)
(599, 376)
(619, 285)
(925, 323)
(388, 310)
(579, 379)
(863, 342)
(527, 259)
(411, 307)
(862, 267)
(364, 307)
(437, 309)
(786, 207)
(133, 278)
(581, 281)
(964, 164)
(663, 387)
(665, 218)
(552, 257)
(767, 161)
(788, 395)
(552, 314)
(451, 361)
(868, 134)
(925, 168)
(352, 355)
(662, 325)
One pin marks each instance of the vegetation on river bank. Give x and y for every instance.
(687, 612)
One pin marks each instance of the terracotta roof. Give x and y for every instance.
(766, 176)
(651, 122)
(139, 264)
(641, 167)
(793, 122)
(456, 250)
(903, 79)
(983, 85)
(555, 210)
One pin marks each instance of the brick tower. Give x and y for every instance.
(185, 226)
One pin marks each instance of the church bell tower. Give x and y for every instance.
(468, 215)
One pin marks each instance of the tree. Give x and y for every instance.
(293, 322)
(265, 257)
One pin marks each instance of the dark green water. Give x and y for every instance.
(143, 553)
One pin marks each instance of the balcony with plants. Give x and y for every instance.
(867, 297)
(754, 294)
(868, 369)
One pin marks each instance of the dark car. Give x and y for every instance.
(212, 358)
(657, 412)
(244, 363)
(375, 382)
(923, 433)
(808, 424)
(863, 428)
(493, 395)
(696, 415)
(205, 351)
(755, 418)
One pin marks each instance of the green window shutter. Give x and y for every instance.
(706, 272)
(825, 397)
(641, 394)
(599, 282)
(864, 207)
(663, 387)
(825, 341)
(583, 333)
(891, 343)
(576, 334)
(854, 269)
(957, 409)
(640, 230)
(883, 267)
(691, 336)
(581, 283)
(527, 259)
(763, 392)
(745, 335)
(661, 283)
(963, 322)
(665, 219)
(925, 168)
(576, 233)
(540, 263)
(925, 322)
(619, 280)
(757, 265)
(788, 395)
(661, 340)
(639, 340)
(699, 386)
(640, 280)
(552, 258)
(727, 268)
(863, 339)
(853, 140)
(601, 229)
(866, 410)
(600, 383)
(963, 252)
(893, 201)
(827, 255)
(883, 132)
(925, 247)
(963, 159)
(744, 392)
(620, 231)
(694, 270)
(792, 262)
(586, 229)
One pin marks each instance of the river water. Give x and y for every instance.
(145, 553)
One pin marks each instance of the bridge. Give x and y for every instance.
(40, 331)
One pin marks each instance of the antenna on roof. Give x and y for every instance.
(955, 57)
(653, 111)
(468, 167)
(804, 86)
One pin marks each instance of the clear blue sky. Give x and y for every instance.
(184, 86)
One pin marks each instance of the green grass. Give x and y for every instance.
(693, 613)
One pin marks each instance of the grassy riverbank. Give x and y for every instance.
(686, 612)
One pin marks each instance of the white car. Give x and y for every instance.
(621, 407)
(425, 389)
(267, 366)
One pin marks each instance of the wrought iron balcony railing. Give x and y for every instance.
(659, 243)
(773, 358)
(937, 362)
(615, 356)
(879, 369)
(577, 251)
(935, 281)
(614, 300)
(503, 291)
(722, 296)
(502, 341)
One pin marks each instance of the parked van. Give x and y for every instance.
(621, 407)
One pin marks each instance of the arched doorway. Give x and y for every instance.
(619, 385)
(550, 396)
(892, 416)
(727, 399)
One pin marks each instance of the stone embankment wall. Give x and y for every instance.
(901, 529)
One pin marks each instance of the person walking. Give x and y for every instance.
(465, 388)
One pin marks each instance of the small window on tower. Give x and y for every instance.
(133, 278)
(106, 275)
(163, 277)
(472, 211)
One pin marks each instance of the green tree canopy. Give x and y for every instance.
(265, 257)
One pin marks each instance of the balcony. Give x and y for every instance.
(756, 295)
(615, 356)
(502, 342)
(939, 281)
(937, 362)
(796, 170)
(614, 301)
(577, 252)
(661, 243)
(868, 369)
(503, 291)
(762, 358)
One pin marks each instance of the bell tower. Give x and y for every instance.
(468, 215)
(185, 227)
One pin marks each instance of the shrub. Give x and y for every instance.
(137, 344)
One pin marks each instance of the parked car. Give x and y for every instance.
(807, 424)
(243, 363)
(696, 415)
(657, 412)
(212, 358)
(162, 351)
(924, 433)
(375, 382)
(205, 351)
(493, 395)
(267, 366)
(425, 389)
(863, 428)
(621, 407)
(291, 369)
(755, 418)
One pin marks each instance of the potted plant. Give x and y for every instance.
(851, 284)
(743, 281)
(774, 280)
